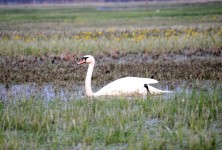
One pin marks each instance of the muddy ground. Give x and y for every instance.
(186, 65)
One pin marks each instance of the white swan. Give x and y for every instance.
(123, 86)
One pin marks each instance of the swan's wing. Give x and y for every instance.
(125, 85)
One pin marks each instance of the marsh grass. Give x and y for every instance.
(105, 41)
(181, 121)
(88, 16)
(159, 27)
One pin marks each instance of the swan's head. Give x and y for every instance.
(89, 59)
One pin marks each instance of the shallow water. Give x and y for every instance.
(50, 92)
(45, 92)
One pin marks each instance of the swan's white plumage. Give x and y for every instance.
(126, 86)
(123, 86)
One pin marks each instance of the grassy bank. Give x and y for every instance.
(182, 121)
(110, 40)
(106, 15)
(158, 27)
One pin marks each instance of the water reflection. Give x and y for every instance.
(45, 92)
(49, 92)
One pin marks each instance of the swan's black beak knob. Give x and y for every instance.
(82, 61)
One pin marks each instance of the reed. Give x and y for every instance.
(94, 42)
(161, 27)
(181, 121)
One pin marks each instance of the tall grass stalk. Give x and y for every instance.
(104, 45)
(181, 121)
(35, 30)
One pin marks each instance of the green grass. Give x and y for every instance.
(183, 121)
(89, 14)
(38, 30)
(39, 43)
(75, 16)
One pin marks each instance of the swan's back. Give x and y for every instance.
(127, 85)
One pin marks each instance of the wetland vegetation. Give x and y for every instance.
(178, 44)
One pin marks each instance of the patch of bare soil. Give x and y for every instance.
(199, 64)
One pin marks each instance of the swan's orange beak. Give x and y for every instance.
(82, 61)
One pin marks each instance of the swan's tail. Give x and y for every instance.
(155, 91)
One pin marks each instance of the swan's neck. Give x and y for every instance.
(89, 91)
